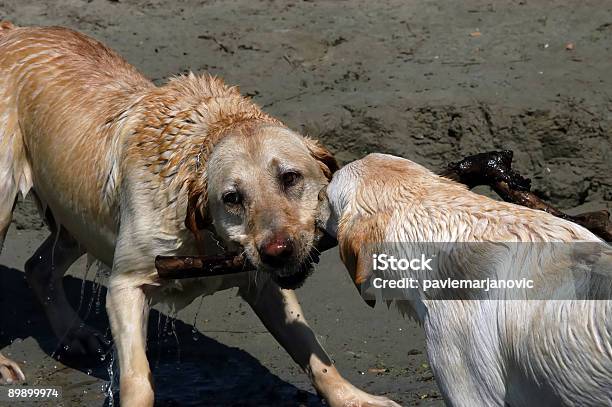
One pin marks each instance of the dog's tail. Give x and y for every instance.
(15, 171)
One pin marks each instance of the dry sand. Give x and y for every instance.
(432, 81)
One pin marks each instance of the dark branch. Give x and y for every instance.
(495, 170)
(175, 267)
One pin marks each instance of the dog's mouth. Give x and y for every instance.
(322, 241)
(296, 279)
(293, 273)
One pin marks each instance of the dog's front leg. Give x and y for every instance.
(128, 312)
(282, 315)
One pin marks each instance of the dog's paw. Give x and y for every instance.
(347, 395)
(83, 345)
(10, 372)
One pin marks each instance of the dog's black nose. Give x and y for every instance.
(276, 250)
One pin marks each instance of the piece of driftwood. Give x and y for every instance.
(495, 170)
(177, 267)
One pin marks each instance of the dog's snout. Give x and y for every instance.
(276, 250)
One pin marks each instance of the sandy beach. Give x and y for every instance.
(430, 81)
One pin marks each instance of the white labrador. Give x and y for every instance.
(484, 351)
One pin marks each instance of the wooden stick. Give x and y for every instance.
(178, 267)
(495, 170)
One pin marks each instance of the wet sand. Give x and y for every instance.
(429, 82)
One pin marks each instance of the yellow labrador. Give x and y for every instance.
(484, 350)
(125, 171)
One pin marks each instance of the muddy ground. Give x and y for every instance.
(431, 81)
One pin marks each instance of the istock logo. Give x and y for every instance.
(384, 262)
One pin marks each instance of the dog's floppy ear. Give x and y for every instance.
(326, 160)
(358, 236)
(196, 219)
(354, 240)
(355, 262)
(358, 266)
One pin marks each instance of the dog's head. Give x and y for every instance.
(263, 184)
(340, 215)
(358, 204)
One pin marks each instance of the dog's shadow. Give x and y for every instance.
(190, 369)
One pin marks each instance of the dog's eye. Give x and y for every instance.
(290, 178)
(232, 198)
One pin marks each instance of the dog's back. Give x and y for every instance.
(60, 94)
